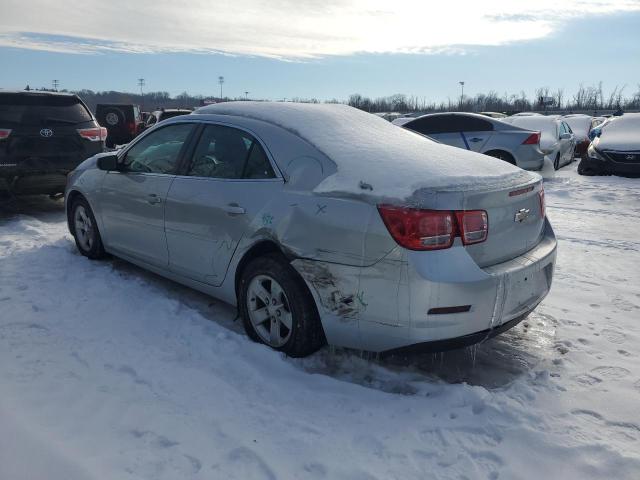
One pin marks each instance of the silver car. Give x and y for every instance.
(557, 140)
(479, 133)
(323, 223)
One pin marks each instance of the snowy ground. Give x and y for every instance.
(109, 372)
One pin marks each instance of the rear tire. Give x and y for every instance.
(85, 230)
(502, 155)
(277, 309)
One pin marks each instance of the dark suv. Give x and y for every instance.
(164, 113)
(122, 121)
(43, 136)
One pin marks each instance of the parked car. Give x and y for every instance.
(527, 114)
(597, 125)
(371, 237)
(122, 121)
(481, 134)
(164, 114)
(616, 149)
(43, 136)
(494, 114)
(557, 141)
(580, 126)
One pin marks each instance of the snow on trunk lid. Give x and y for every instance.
(516, 222)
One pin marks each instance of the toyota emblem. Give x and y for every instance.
(46, 132)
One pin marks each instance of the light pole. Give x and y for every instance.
(461, 94)
(141, 84)
(220, 81)
(246, 95)
(55, 84)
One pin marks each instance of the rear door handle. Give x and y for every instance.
(476, 139)
(154, 199)
(234, 209)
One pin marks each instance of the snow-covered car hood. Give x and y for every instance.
(375, 158)
(623, 134)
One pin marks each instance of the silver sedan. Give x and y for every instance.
(479, 133)
(322, 224)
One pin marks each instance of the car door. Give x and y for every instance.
(132, 199)
(220, 196)
(444, 128)
(475, 132)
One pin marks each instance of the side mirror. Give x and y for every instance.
(108, 163)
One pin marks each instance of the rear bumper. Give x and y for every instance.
(396, 303)
(529, 157)
(457, 342)
(41, 175)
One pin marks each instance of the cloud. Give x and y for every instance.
(286, 29)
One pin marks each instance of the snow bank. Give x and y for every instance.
(366, 148)
(109, 372)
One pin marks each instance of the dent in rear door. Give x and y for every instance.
(205, 218)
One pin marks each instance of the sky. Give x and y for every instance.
(323, 49)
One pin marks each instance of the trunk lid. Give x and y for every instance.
(516, 223)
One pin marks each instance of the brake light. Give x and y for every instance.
(532, 139)
(4, 133)
(473, 226)
(132, 128)
(417, 229)
(97, 134)
(542, 206)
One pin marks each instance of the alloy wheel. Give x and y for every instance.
(269, 310)
(83, 228)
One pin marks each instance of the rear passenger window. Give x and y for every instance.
(225, 152)
(449, 124)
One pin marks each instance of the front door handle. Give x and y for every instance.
(234, 209)
(154, 199)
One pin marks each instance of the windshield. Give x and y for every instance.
(36, 110)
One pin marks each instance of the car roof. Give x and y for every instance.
(353, 139)
(38, 92)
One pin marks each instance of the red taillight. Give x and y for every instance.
(541, 197)
(97, 134)
(532, 139)
(4, 133)
(473, 226)
(132, 128)
(417, 229)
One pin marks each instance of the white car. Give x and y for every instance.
(557, 140)
(581, 126)
(482, 134)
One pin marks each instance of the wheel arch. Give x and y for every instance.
(507, 153)
(258, 249)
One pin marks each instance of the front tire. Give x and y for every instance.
(556, 162)
(277, 309)
(85, 230)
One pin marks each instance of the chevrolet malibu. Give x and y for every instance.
(323, 224)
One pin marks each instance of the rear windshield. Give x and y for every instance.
(579, 125)
(41, 109)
